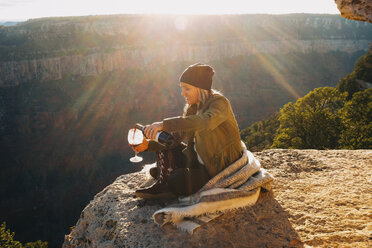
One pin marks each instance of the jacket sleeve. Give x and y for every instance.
(156, 146)
(210, 119)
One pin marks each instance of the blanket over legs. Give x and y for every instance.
(236, 186)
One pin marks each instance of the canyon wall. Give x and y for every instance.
(13, 73)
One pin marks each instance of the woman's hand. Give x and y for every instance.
(153, 129)
(141, 147)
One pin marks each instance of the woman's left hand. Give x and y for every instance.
(153, 129)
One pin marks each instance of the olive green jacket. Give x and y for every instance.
(214, 130)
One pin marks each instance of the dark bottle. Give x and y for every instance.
(161, 137)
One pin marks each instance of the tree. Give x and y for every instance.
(6, 240)
(312, 122)
(362, 73)
(350, 85)
(357, 120)
(260, 135)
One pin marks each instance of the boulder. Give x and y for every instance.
(360, 10)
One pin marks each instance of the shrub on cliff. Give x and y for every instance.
(6, 240)
(323, 119)
(260, 135)
(357, 120)
(312, 122)
(362, 72)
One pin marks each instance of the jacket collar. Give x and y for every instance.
(192, 110)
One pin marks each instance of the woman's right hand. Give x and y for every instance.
(141, 147)
(151, 130)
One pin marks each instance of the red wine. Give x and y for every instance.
(161, 137)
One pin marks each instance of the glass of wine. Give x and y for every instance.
(135, 138)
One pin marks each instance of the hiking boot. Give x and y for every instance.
(156, 191)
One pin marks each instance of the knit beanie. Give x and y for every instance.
(198, 75)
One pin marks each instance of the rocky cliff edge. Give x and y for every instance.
(319, 198)
(359, 10)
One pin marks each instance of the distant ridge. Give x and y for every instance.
(9, 23)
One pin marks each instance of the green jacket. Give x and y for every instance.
(214, 130)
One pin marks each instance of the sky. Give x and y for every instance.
(20, 10)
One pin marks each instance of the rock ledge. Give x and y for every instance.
(319, 198)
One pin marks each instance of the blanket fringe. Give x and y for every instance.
(175, 215)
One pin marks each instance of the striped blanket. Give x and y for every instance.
(235, 187)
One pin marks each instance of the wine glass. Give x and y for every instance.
(135, 138)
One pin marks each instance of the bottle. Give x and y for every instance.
(161, 137)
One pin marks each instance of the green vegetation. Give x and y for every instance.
(312, 122)
(323, 119)
(260, 135)
(357, 122)
(6, 240)
(362, 74)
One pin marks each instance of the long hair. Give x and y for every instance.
(203, 96)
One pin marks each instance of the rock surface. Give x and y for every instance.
(360, 10)
(319, 198)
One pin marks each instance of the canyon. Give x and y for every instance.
(50, 48)
(71, 87)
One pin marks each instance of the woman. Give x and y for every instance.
(210, 129)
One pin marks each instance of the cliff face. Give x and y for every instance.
(13, 73)
(317, 203)
(360, 10)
